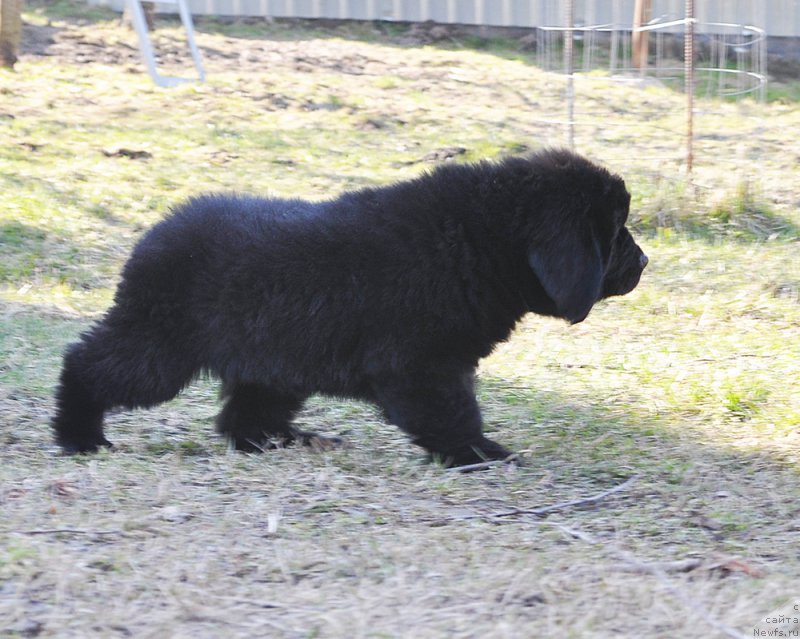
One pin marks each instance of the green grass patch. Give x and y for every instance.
(743, 214)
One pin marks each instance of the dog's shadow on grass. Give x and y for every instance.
(556, 433)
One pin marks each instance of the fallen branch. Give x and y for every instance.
(541, 511)
(583, 501)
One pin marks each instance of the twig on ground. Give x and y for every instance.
(508, 461)
(479, 466)
(545, 510)
(584, 501)
(572, 532)
(681, 565)
(258, 604)
(69, 531)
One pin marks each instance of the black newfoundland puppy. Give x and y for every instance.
(390, 295)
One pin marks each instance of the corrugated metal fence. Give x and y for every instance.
(778, 17)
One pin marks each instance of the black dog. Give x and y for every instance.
(390, 295)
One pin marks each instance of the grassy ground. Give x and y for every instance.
(688, 385)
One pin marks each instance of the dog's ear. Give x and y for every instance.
(570, 269)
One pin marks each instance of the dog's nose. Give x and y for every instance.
(643, 260)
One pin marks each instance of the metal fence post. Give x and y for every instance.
(688, 65)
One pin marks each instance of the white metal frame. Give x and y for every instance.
(146, 47)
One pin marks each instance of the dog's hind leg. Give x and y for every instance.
(257, 418)
(441, 414)
(113, 367)
(78, 422)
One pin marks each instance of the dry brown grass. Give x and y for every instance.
(689, 384)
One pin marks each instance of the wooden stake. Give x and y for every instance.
(642, 13)
(10, 31)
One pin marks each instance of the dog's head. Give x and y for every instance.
(580, 250)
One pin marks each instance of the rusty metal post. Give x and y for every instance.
(569, 66)
(688, 64)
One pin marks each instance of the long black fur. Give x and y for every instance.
(390, 295)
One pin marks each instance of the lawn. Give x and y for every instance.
(670, 417)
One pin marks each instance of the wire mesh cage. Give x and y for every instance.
(710, 63)
(730, 59)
